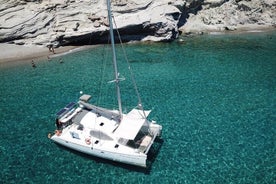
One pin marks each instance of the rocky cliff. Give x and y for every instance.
(78, 22)
(229, 15)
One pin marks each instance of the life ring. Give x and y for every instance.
(87, 141)
(58, 132)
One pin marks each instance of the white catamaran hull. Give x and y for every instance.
(132, 158)
(96, 131)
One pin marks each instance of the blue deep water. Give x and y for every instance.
(214, 95)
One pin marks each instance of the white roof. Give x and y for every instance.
(131, 124)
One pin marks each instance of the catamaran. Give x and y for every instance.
(104, 133)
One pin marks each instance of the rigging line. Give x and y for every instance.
(103, 92)
(104, 63)
(130, 69)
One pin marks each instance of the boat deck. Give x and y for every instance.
(78, 117)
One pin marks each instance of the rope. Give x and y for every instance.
(102, 92)
(102, 76)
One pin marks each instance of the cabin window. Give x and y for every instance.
(116, 146)
(97, 141)
(101, 124)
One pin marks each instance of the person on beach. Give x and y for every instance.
(51, 48)
(60, 60)
(33, 64)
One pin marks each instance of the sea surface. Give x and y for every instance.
(214, 95)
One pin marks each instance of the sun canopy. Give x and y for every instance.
(131, 124)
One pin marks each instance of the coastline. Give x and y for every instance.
(12, 53)
(240, 29)
(243, 30)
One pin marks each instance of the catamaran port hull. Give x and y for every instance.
(131, 158)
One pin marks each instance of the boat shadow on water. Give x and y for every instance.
(152, 155)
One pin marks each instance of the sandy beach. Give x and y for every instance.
(12, 52)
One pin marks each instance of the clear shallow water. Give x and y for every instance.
(214, 95)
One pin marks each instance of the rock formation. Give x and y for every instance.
(229, 15)
(63, 22)
(78, 22)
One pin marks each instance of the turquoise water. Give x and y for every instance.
(215, 96)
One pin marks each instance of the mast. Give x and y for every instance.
(117, 80)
